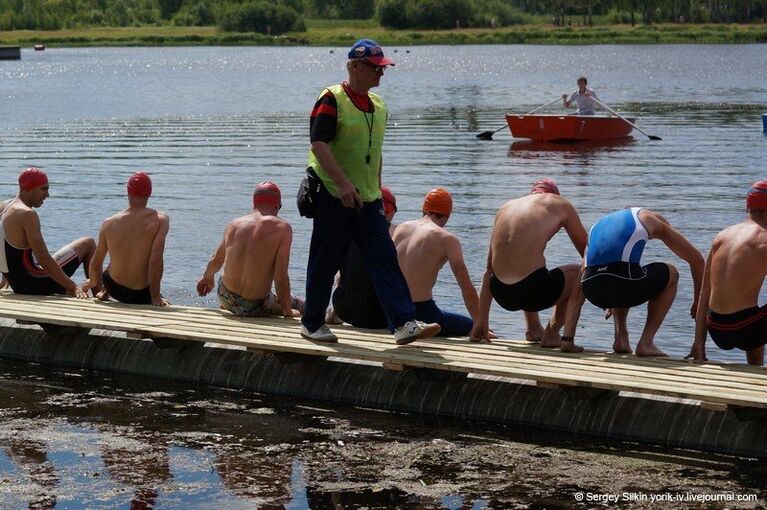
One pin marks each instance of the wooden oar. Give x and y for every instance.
(624, 119)
(488, 135)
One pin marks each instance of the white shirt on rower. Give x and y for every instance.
(584, 102)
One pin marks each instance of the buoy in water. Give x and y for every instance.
(39, 47)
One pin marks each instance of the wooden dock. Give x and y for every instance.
(717, 386)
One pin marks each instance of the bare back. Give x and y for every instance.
(421, 251)
(738, 267)
(129, 236)
(251, 244)
(523, 228)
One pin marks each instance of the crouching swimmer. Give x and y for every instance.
(614, 279)
(516, 275)
(728, 308)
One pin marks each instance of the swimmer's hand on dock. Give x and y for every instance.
(90, 285)
(77, 292)
(697, 353)
(481, 333)
(160, 301)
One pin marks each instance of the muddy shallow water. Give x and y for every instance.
(75, 439)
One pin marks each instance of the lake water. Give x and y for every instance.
(209, 123)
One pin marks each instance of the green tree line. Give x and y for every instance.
(279, 16)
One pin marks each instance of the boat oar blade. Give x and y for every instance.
(485, 135)
(624, 119)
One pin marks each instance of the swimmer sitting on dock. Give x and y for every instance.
(423, 247)
(134, 239)
(516, 274)
(24, 258)
(254, 252)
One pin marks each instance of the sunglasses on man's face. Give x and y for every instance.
(378, 69)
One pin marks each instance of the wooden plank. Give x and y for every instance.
(359, 334)
(559, 370)
(756, 398)
(652, 371)
(633, 364)
(714, 406)
(713, 384)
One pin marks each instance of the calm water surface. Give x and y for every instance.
(209, 123)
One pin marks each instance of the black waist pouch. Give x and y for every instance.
(308, 194)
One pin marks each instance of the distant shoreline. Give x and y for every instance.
(341, 34)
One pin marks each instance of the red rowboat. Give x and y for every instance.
(567, 128)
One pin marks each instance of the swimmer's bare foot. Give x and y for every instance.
(570, 347)
(103, 295)
(649, 350)
(551, 339)
(621, 344)
(534, 335)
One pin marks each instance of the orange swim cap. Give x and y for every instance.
(544, 186)
(757, 196)
(389, 201)
(139, 185)
(438, 201)
(267, 193)
(32, 178)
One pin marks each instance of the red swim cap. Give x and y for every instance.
(389, 201)
(139, 185)
(544, 186)
(267, 193)
(757, 196)
(32, 178)
(438, 201)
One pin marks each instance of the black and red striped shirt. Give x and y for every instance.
(322, 123)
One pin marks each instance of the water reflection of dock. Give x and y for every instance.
(662, 401)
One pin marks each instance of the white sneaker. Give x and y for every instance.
(321, 335)
(413, 330)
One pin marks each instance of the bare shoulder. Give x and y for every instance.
(22, 213)
(655, 223)
(162, 217)
(282, 225)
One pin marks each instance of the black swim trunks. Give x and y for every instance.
(27, 277)
(624, 284)
(746, 329)
(537, 291)
(126, 295)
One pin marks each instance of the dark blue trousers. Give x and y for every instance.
(335, 227)
(453, 324)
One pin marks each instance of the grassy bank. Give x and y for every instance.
(341, 33)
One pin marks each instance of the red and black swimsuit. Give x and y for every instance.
(24, 273)
(746, 329)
